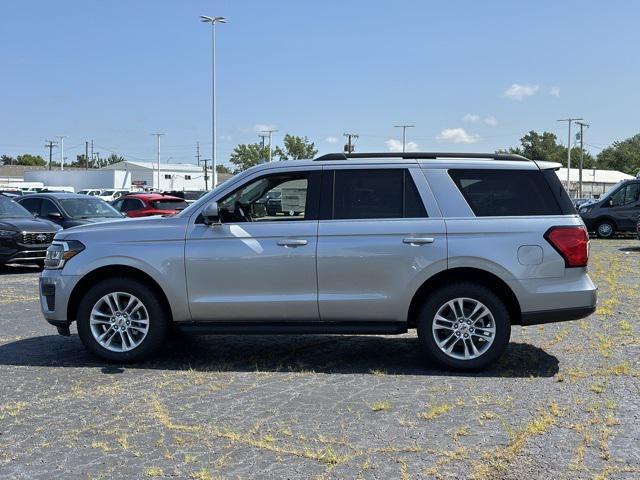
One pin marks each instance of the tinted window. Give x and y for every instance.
(31, 204)
(626, 195)
(377, 193)
(131, 204)
(88, 208)
(170, 205)
(11, 209)
(506, 192)
(47, 208)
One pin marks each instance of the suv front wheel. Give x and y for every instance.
(122, 320)
(464, 326)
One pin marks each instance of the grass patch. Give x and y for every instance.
(436, 411)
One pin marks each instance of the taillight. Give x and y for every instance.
(570, 242)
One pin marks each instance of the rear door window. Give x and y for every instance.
(504, 193)
(375, 193)
(130, 204)
(32, 204)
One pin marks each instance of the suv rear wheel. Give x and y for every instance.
(122, 320)
(464, 326)
(605, 229)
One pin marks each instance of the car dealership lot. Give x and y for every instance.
(564, 401)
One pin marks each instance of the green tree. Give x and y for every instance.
(80, 162)
(296, 148)
(545, 147)
(623, 156)
(247, 155)
(114, 158)
(7, 160)
(31, 160)
(222, 168)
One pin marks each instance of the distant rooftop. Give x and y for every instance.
(129, 164)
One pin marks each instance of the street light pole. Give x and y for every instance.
(62, 137)
(569, 120)
(158, 135)
(270, 134)
(582, 125)
(213, 21)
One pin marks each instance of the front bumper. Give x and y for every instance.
(55, 291)
(19, 254)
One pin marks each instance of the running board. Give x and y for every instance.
(292, 328)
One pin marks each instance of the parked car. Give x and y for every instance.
(616, 211)
(460, 246)
(56, 189)
(92, 192)
(580, 201)
(189, 196)
(69, 209)
(148, 204)
(110, 195)
(11, 192)
(23, 237)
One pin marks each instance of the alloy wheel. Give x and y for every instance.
(119, 322)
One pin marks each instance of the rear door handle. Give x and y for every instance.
(292, 242)
(418, 240)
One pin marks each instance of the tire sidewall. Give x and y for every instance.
(467, 290)
(158, 320)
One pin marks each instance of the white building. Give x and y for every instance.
(594, 182)
(126, 175)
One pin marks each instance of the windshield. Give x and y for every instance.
(88, 208)
(170, 205)
(11, 209)
(106, 193)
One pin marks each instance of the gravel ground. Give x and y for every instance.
(564, 402)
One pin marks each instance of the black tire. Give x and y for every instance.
(159, 322)
(605, 229)
(475, 292)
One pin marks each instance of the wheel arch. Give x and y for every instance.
(602, 218)
(466, 274)
(112, 271)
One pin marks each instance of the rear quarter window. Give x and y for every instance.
(505, 193)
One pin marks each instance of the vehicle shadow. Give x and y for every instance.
(17, 269)
(629, 249)
(345, 354)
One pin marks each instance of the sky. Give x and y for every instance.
(470, 75)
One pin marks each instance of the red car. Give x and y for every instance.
(147, 204)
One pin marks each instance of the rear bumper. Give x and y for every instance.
(560, 315)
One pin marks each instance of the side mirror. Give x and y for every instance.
(210, 214)
(55, 216)
(609, 202)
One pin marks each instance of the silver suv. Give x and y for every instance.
(459, 246)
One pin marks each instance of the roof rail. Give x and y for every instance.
(423, 156)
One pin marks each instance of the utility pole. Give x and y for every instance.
(86, 155)
(582, 125)
(91, 150)
(569, 120)
(269, 133)
(50, 144)
(349, 147)
(206, 174)
(262, 136)
(404, 135)
(62, 137)
(198, 152)
(158, 135)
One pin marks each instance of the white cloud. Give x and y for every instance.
(520, 92)
(554, 91)
(261, 127)
(331, 139)
(457, 135)
(396, 145)
(490, 120)
(471, 118)
(475, 118)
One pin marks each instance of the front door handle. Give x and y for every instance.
(292, 242)
(418, 240)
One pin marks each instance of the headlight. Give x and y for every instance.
(7, 233)
(60, 252)
(585, 210)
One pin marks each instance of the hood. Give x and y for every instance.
(128, 229)
(28, 225)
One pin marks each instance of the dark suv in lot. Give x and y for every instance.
(616, 211)
(23, 238)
